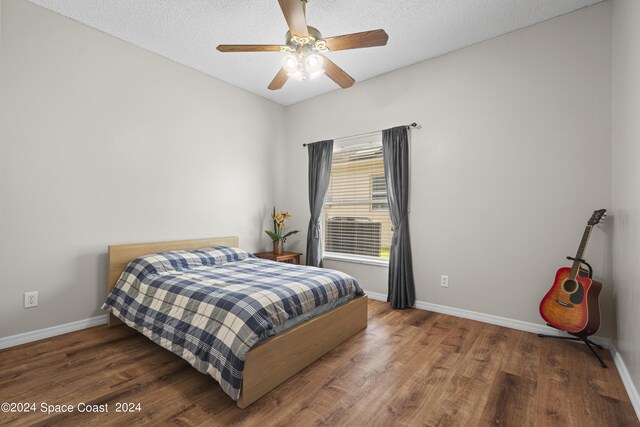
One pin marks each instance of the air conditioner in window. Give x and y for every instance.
(353, 235)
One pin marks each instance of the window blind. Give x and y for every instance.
(356, 213)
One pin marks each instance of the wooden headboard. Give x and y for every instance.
(121, 255)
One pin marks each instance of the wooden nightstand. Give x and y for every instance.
(288, 257)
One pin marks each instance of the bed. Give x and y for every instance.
(272, 360)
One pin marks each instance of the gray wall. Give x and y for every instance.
(106, 143)
(626, 180)
(513, 156)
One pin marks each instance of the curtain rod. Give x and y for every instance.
(413, 125)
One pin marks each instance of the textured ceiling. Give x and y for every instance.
(188, 31)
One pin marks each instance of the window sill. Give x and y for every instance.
(332, 256)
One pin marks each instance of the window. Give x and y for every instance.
(356, 218)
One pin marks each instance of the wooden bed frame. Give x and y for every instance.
(272, 361)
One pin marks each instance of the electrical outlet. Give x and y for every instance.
(30, 299)
(444, 281)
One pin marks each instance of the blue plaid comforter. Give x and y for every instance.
(210, 306)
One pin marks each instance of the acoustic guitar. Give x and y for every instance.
(572, 302)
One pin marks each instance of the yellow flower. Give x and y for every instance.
(287, 215)
(282, 225)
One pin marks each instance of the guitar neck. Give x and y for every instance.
(575, 268)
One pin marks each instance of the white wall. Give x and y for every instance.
(106, 143)
(626, 180)
(513, 156)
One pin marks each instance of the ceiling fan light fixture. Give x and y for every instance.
(291, 64)
(313, 63)
(314, 74)
(303, 65)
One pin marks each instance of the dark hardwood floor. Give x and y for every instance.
(408, 367)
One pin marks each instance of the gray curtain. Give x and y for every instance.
(395, 150)
(320, 155)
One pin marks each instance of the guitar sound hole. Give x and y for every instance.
(569, 286)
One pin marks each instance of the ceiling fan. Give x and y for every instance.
(305, 46)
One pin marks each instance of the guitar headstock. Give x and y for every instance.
(597, 217)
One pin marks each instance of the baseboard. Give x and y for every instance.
(27, 337)
(632, 391)
(520, 325)
(535, 328)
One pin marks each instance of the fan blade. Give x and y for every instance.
(279, 80)
(294, 14)
(249, 48)
(357, 40)
(337, 74)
